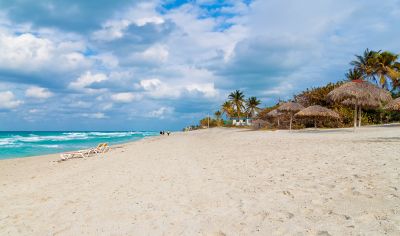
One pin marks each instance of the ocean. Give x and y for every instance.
(32, 143)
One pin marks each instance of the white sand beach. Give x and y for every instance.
(213, 182)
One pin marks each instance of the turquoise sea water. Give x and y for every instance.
(32, 143)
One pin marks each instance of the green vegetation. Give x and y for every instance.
(236, 106)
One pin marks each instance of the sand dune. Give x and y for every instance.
(213, 182)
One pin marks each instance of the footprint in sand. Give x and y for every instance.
(323, 233)
(287, 193)
(219, 233)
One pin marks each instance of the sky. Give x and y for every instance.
(164, 64)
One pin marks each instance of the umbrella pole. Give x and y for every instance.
(291, 118)
(315, 123)
(278, 122)
(355, 116)
(359, 116)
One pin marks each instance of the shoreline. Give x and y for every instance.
(212, 182)
(304, 130)
(72, 150)
(230, 128)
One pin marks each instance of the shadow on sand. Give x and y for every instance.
(322, 130)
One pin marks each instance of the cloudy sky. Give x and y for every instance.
(163, 64)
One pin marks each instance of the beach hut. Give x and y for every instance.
(393, 105)
(274, 114)
(241, 121)
(360, 93)
(316, 112)
(291, 108)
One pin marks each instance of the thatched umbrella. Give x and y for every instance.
(317, 112)
(359, 92)
(393, 105)
(291, 108)
(274, 114)
(371, 104)
(259, 123)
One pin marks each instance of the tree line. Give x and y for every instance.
(378, 67)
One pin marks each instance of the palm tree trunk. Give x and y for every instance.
(359, 116)
(238, 112)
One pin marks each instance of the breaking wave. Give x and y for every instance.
(20, 144)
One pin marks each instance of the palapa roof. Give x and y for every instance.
(360, 90)
(393, 105)
(290, 107)
(259, 121)
(317, 111)
(367, 103)
(274, 113)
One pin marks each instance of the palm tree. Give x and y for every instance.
(381, 67)
(396, 83)
(227, 109)
(354, 74)
(365, 63)
(237, 99)
(386, 67)
(252, 104)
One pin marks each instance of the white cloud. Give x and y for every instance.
(155, 88)
(111, 30)
(124, 97)
(8, 100)
(206, 90)
(108, 60)
(33, 111)
(106, 106)
(86, 80)
(280, 90)
(150, 84)
(156, 53)
(147, 20)
(193, 43)
(38, 92)
(161, 113)
(80, 104)
(30, 53)
(97, 115)
(141, 15)
(24, 51)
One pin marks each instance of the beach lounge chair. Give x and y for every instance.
(106, 148)
(79, 154)
(101, 148)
